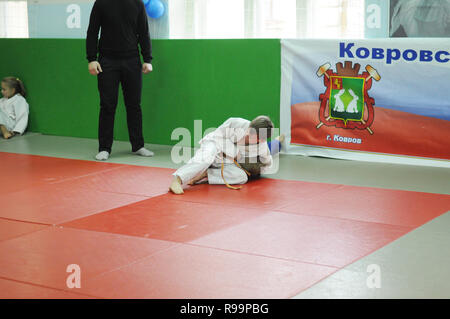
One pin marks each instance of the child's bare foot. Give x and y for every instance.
(176, 187)
(6, 134)
(197, 179)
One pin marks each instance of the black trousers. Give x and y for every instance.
(128, 73)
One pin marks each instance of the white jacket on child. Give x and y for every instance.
(229, 133)
(14, 113)
(223, 140)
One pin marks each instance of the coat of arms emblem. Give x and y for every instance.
(346, 102)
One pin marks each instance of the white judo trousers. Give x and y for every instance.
(209, 158)
(216, 148)
(220, 146)
(6, 121)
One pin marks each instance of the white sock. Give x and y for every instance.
(102, 156)
(144, 152)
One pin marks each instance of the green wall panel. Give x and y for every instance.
(208, 80)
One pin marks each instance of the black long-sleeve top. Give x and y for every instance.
(123, 25)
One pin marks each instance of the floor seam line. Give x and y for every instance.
(48, 287)
(26, 222)
(347, 219)
(176, 244)
(81, 176)
(260, 255)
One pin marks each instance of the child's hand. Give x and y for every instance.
(147, 68)
(94, 68)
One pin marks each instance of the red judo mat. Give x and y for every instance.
(133, 239)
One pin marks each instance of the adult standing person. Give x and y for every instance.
(124, 27)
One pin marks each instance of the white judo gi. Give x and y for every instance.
(14, 113)
(220, 147)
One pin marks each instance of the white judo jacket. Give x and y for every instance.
(14, 113)
(229, 133)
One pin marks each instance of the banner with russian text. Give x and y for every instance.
(385, 100)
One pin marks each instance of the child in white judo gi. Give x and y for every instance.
(219, 154)
(14, 108)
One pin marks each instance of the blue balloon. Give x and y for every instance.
(155, 9)
(274, 146)
(146, 2)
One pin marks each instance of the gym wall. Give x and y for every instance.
(208, 80)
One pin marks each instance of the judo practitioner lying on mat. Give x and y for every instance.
(224, 155)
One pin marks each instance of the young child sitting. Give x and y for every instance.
(14, 108)
(219, 152)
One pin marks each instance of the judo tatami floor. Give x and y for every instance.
(316, 229)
